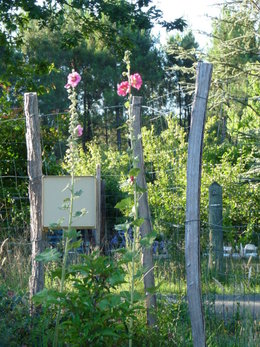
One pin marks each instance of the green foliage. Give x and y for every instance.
(165, 157)
(94, 309)
(49, 254)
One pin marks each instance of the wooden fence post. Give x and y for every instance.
(34, 168)
(192, 225)
(215, 227)
(98, 206)
(143, 210)
(103, 231)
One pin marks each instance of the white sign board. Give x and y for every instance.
(55, 195)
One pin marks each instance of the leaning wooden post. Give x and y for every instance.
(192, 226)
(34, 168)
(143, 209)
(215, 228)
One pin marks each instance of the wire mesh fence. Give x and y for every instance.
(230, 297)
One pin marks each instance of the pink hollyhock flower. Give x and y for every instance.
(136, 81)
(73, 80)
(123, 88)
(79, 130)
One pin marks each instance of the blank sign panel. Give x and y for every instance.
(56, 194)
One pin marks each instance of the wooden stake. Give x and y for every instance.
(143, 210)
(34, 168)
(192, 228)
(215, 229)
(98, 204)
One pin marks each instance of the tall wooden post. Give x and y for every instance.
(143, 209)
(98, 206)
(192, 226)
(34, 168)
(103, 231)
(215, 227)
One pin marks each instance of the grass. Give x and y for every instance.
(239, 329)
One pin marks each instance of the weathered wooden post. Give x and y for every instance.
(143, 209)
(192, 224)
(34, 168)
(215, 227)
(103, 231)
(98, 208)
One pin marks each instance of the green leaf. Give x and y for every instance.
(80, 213)
(72, 234)
(138, 222)
(50, 254)
(124, 204)
(108, 332)
(148, 240)
(75, 244)
(78, 193)
(124, 226)
(47, 296)
(103, 304)
(134, 172)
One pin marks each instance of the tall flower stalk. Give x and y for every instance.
(123, 89)
(75, 130)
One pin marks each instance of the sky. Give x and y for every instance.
(194, 11)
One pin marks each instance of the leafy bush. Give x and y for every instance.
(94, 311)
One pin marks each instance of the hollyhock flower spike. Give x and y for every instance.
(136, 81)
(123, 88)
(73, 80)
(79, 130)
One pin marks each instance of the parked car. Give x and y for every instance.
(250, 251)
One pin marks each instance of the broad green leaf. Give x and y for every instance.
(138, 222)
(124, 204)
